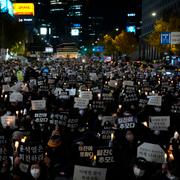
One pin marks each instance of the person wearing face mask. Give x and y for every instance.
(35, 171)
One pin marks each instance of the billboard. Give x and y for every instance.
(131, 29)
(6, 6)
(23, 9)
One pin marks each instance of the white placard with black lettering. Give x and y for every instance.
(16, 97)
(6, 88)
(83, 173)
(38, 104)
(126, 122)
(86, 95)
(128, 83)
(81, 103)
(160, 123)
(64, 95)
(155, 100)
(151, 152)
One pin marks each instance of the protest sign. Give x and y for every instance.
(31, 152)
(104, 155)
(128, 83)
(81, 103)
(113, 83)
(16, 97)
(59, 118)
(160, 123)
(155, 100)
(83, 172)
(38, 104)
(6, 88)
(41, 117)
(151, 152)
(85, 151)
(86, 95)
(126, 122)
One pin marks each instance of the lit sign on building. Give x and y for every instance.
(131, 29)
(131, 14)
(74, 32)
(43, 31)
(23, 9)
(6, 7)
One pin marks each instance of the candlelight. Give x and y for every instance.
(176, 135)
(5, 96)
(153, 92)
(139, 91)
(16, 145)
(94, 157)
(146, 93)
(165, 157)
(17, 112)
(112, 136)
(23, 140)
(99, 96)
(159, 82)
(145, 124)
(120, 106)
(116, 84)
(171, 157)
(21, 111)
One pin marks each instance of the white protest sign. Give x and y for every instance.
(72, 92)
(151, 152)
(32, 82)
(16, 97)
(7, 79)
(86, 95)
(8, 121)
(113, 83)
(6, 88)
(80, 173)
(110, 119)
(160, 123)
(128, 83)
(81, 103)
(38, 104)
(155, 100)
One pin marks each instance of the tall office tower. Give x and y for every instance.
(134, 18)
(153, 10)
(67, 17)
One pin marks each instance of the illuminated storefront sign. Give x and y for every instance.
(23, 9)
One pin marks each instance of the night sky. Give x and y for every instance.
(113, 11)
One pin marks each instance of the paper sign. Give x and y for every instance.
(17, 87)
(155, 100)
(151, 152)
(160, 123)
(38, 104)
(6, 88)
(113, 83)
(81, 103)
(80, 173)
(93, 76)
(57, 91)
(86, 95)
(128, 83)
(7, 79)
(16, 97)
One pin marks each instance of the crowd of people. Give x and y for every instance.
(121, 117)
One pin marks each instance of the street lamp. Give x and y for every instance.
(153, 14)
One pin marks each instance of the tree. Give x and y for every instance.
(170, 25)
(108, 44)
(125, 43)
